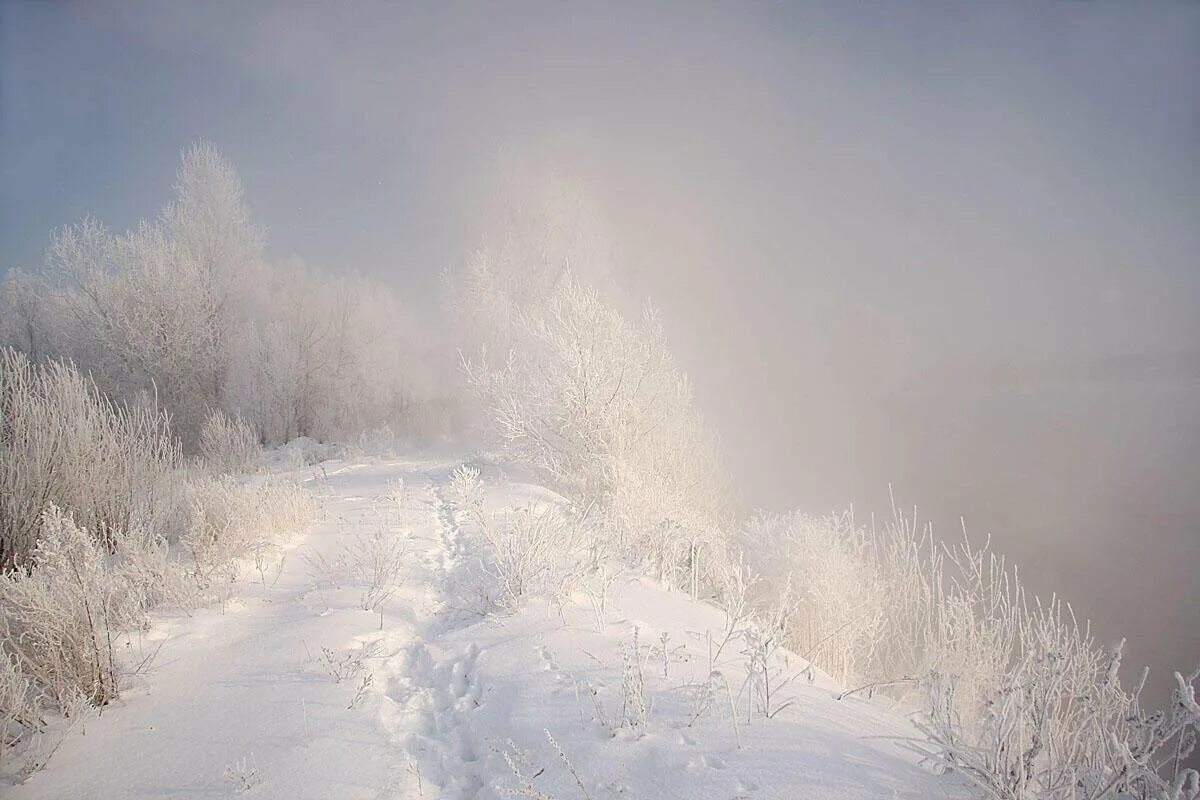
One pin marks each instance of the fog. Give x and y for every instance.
(947, 248)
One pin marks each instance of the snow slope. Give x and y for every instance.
(445, 701)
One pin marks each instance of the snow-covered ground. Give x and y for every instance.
(295, 691)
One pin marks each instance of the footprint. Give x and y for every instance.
(461, 673)
(465, 750)
(548, 662)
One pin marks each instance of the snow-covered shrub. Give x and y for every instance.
(20, 714)
(466, 493)
(146, 559)
(112, 467)
(1035, 708)
(586, 395)
(62, 611)
(1011, 692)
(538, 549)
(377, 563)
(532, 551)
(1159, 745)
(228, 444)
(303, 452)
(1019, 699)
(228, 517)
(824, 567)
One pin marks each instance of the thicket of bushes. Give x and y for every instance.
(64, 443)
(1012, 692)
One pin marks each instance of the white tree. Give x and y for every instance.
(592, 400)
(153, 310)
(184, 313)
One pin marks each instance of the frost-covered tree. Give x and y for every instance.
(154, 310)
(591, 399)
(185, 313)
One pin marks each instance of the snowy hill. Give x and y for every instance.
(295, 691)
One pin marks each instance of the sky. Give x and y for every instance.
(1033, 161)
(845, 211)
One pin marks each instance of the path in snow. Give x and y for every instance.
(454, 696)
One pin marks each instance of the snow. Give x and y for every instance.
(238, 702)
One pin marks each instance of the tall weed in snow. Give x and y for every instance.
(229, 443)
(62, 443)
(228, 517)
(20, 714)
(61, 613)
(1012, 692)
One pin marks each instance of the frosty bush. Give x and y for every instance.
(466, 493)
(61, 612)
(377, 563)
(532, 551)
(19, 711)
(227, 517)
(1036, 709)
(67, 608)
(589, 397)
(824, 566)
(1012, 693)
(112, 467)
(1159, 745)
(229, 444)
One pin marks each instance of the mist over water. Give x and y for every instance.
(892, 245)
(1083, 469)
